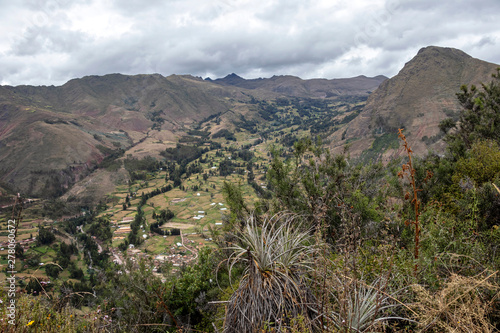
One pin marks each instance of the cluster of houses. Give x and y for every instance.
(25, 244)
(174, 256)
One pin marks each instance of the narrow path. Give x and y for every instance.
(193, 250)
(118, 259)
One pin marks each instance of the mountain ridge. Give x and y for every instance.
(315, 88)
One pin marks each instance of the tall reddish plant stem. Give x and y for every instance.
(409, 171)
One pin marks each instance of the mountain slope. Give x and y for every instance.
(417, 99)
(50, 137)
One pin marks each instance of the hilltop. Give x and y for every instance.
(417, 99)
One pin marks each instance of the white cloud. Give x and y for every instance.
(57, 40)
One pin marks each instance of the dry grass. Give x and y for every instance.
(462, 305)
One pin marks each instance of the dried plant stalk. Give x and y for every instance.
(461, 306)
(409, 172)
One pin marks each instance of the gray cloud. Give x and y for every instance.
(56, 40)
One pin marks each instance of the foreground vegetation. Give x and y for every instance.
(329, 245)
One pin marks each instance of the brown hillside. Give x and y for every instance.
(417, 99)
(50, 137)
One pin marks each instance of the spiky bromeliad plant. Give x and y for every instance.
(363, 307)
(273, 289)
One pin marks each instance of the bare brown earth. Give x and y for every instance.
(178, 225)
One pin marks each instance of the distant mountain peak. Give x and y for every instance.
(230, 79)
(290, 85)
(442, 50)
(233, 76)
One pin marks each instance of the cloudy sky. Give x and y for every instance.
(45, 42)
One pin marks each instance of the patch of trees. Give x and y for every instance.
(45, 236)
(55, 121)
(64, 253)
(244, 154)
(350, 117)
(175, 232)
(157, 119)
(54, 208)
(176, 175)
(76, 273)
(147, 163)
(224, 133)
(268, 111)
(226, 167)
(211, 117)
(282, 101)
(134, 237)
(202, 134)
(101, 228)
(183, 154)
(249, 125)
(215, 145)
(91, 251)
(110, 157)
(70, 225)
(164, 216)
(52, 270)
(288, 140)
(193, 168)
